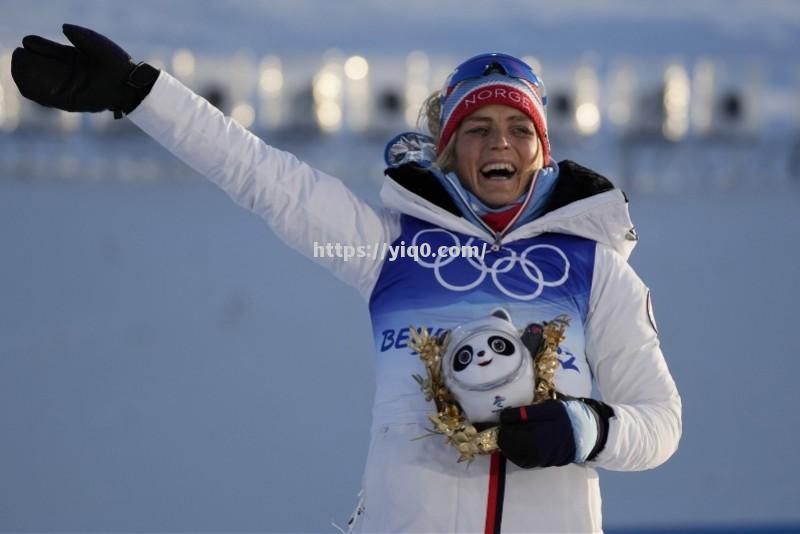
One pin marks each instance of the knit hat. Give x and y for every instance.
(494, 87)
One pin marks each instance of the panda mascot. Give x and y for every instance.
(489, 365)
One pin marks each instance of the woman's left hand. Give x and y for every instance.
(552, 433)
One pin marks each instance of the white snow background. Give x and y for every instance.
(166, 364)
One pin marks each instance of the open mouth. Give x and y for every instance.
(498, 171)
(487, 362)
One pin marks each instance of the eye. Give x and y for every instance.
(501, 345)
(523, 131)
(479, 130)
(462, 359)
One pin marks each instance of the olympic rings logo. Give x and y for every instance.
(500, 267)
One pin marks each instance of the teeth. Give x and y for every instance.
(507, 167)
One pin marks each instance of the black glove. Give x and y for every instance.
(93, 75)
(543, 435)
(539, 435)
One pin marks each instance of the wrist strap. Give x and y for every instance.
(139, 82)
(142, 76)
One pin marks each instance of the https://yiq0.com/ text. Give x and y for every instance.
(385, 251)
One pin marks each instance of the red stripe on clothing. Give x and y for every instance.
(523, 413)
(498, 221)
(491, 504)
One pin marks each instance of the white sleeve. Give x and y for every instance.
(301, 204)
(624, 352)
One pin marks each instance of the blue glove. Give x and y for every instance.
(554, 432)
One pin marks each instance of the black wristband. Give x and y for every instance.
(138, 83)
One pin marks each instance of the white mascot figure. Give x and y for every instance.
(487, 366)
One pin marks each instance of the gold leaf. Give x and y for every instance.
(449, 421)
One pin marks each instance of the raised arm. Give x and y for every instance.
(303, 205)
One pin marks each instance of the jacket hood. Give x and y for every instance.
(583, 203)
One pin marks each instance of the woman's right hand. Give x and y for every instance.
(93, 75)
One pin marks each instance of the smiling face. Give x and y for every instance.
(484, 358)
(497, 152)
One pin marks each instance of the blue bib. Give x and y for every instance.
(535, 279)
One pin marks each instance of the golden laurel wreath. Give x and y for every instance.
(449, 420)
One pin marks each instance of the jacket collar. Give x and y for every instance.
(583, 203)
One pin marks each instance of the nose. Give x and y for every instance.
(481, 353)
(498, 140)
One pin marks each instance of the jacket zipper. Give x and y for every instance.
(466, 203)
(498, 236)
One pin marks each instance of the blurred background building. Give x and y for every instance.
(656, 125)
(659, 101)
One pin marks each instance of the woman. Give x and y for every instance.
(557, 237)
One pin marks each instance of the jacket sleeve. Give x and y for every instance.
(302, 205)
(624, 352)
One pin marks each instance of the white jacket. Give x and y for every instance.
(416, 486)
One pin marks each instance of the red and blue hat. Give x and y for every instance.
(493, 79)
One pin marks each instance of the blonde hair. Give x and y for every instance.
(430, 117)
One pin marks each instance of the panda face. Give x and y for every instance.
(485, 357)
